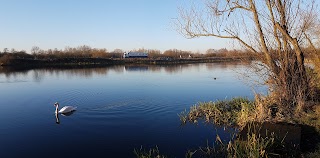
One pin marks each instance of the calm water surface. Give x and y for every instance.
(120, 108)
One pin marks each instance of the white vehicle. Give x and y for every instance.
(135, 55)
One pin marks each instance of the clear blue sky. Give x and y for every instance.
(110, 24)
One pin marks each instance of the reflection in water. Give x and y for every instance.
(39, 74)
(175, 68)
(123, 109)
(136, 68)
(64, 114)
(57, 118)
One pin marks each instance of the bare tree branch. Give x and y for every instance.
(277, 28)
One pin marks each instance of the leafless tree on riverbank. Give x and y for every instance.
(276, 29)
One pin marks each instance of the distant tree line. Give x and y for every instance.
(80, 52)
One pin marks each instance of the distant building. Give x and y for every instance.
(135, 55)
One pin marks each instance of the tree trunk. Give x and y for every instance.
(292, 86)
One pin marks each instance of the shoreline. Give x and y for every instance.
(53, 64)
(97, 62)
(116, 61)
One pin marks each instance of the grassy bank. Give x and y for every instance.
(266, 135)
(256, 139)
(235, 112)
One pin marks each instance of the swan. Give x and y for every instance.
(65, 109)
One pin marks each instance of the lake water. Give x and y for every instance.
(120, 108)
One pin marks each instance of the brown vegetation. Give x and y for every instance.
(275, 30)
(87, 55)
(281, 33)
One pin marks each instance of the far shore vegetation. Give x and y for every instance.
(85, 55)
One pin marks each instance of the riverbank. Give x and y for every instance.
(256, 135)
(18, 62)
(80, 63)
(263, 132)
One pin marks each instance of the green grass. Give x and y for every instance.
(151, 153)
(311, 118)
(239, 112)
(228, 113)
(253, 147)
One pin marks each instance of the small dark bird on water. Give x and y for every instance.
(214, 78)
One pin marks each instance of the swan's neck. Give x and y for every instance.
(57, 107)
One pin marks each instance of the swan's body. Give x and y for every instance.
(65, 109)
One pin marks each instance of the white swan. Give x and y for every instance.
(65, 109)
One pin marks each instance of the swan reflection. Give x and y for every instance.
(64, 114)
(57, 118)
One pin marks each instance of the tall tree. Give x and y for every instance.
(276, 29)
(5, 50)
(35, 50)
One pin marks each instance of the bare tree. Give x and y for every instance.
(276, 29)
(120, 51)
(35, 50)
(5, 50)
(317, 32)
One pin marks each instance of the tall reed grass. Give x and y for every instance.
(235, 112)
(151, 153)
